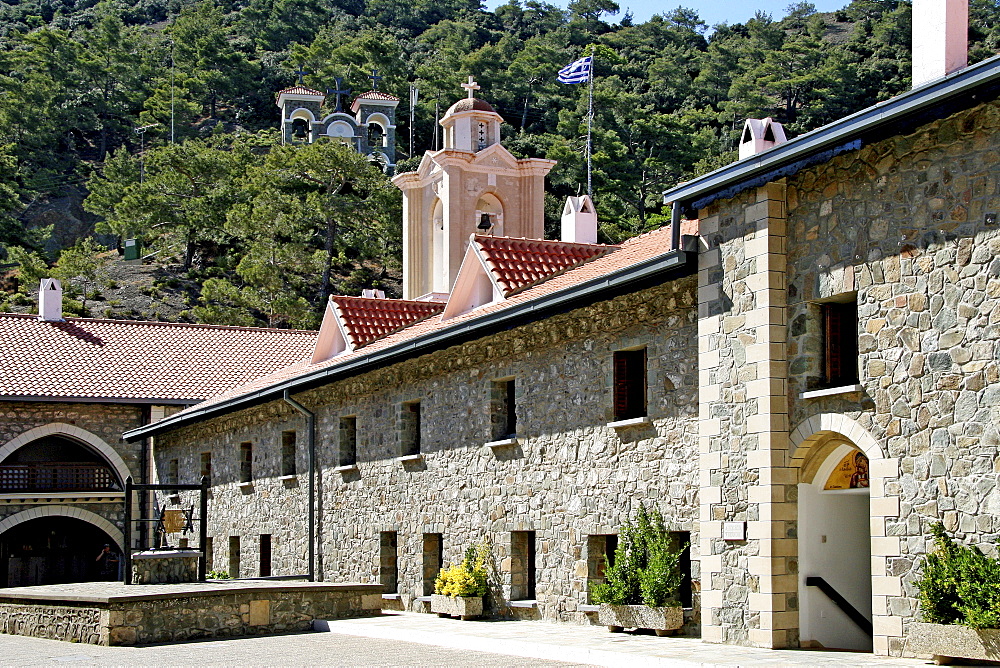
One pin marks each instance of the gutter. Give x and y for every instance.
(311, 431)
(671, 264)
(885, 119)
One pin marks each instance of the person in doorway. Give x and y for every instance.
(107, 563)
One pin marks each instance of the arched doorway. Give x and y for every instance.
(834, 537)
(56, 549)
(56, 463)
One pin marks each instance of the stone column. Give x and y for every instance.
(749, 586)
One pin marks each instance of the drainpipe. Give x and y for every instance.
(311, 431)
(675, 226)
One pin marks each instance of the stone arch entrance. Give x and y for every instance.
(72, 433)
(834, 455)
(55, 544)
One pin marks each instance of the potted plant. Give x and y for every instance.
(460, 588)
(960, 603)
(641, 586)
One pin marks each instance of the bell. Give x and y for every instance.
(484, 223)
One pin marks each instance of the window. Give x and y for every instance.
(522, 565)
(206, 466)
(173, 474)
(679, 540)
(209, 554)
(246, 462)
(234, 556)
(503, 415)
(265, 555)
(410, 429)
(630, 384)
(388, 558)
(600, 556)
(433, 560)
(348, 441)
(287, 453)
(840, 343)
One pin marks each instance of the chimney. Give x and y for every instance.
(579, 220)
(50, 300)
(370, 293)
(940, 38)
(760, 134)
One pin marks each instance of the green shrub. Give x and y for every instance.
(959, 584)
(647, 565)
(218, 575)
(467, 578)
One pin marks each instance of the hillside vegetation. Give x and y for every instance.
(239, 230)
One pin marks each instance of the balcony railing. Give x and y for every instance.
(57, 477)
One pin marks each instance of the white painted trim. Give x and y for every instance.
(101, 523)
(831, 391)
(288, 477)
(471, 271)
(526, 603)
(332, 339)
(70, 431)
(503, 442)
(631, 422)
(346, 468)
(410, 458)
(245, 484)
(840, 424)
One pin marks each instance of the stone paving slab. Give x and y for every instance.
(589, 644)
(113, 592)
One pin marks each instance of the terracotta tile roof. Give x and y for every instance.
(299, 90)
(367, 319)
(376, 95)
(123, 359)
(631, 252)
(518, 264)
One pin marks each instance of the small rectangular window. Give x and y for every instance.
(206, 466)
(234, 556)
(522, 565)
(209, 554)
(246, 462)
(388, 562)
(173, 473)
(840, 343)
(265, 555)
(630, 384)
(504, 410)
(681, 540)
(410, 429)
(348, 441)
(433, 560)
(600, 556)
(287, 453)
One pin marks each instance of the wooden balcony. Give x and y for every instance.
(56, 477)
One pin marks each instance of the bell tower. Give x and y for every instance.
(472, 185)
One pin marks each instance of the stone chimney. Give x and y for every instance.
(579, 220)
(760, 134)
(371, 293)
(50, 300)
(940, 38)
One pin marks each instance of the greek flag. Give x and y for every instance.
(576, 72)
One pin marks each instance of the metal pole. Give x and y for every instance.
(311, 436)
(127, 547)
(171, 91)
(203, 530)
(590, 122)
(675, 225)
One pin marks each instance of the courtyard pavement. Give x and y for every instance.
(413, 639)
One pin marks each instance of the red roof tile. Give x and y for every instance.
(366, 319)
(299, 90)
(631, 252)
(518, 264)
(123, 359)
(376, 95)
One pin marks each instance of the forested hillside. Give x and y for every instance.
(241, 230)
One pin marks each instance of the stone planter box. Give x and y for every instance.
(945, 642)
(661, 620)
(465, 607)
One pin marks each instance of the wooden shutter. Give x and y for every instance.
(840, 343)
(621, 385)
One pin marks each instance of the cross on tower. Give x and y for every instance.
(375, 79)
(338, 91)
(471, 86)
(301, 72)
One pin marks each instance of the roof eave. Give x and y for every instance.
(837, 137)
(628, 279)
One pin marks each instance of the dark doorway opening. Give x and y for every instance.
(56, 550)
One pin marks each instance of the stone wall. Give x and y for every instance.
(568, 476)
(55, 622)
(902, 224)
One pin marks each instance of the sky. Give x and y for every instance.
(710, 11)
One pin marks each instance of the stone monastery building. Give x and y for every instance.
(801, 372)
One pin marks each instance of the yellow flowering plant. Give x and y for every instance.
(467, 578)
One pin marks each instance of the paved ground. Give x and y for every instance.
(411, 639)
(304, 649)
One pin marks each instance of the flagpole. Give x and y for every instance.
(590, 122)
